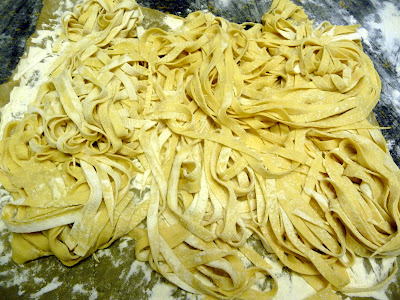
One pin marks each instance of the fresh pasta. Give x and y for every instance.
(194, 140)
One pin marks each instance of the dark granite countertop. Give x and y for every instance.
(18, 21)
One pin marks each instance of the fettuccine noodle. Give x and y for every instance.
(208, 135)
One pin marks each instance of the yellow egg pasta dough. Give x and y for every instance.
(195, 140)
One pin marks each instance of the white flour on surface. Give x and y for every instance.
(19, 277)
(291, 286)
(5, 255)
(47, 288)
(80, 289)
(382, 31)
(66, 6)
(364, 35)
(395, 99)
(360, 277)
(352, 20)
(386, 27)
(223, 3)
(135, 267)
(162, 292)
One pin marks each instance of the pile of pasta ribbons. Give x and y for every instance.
(207, 135)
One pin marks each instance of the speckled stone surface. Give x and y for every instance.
(17, 22)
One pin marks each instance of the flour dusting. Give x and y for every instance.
(136, 267)
(291, 286)
(5, 254)
(161, 292)
(369, 273)
(124, 244)
(396, 100)
(386, 27)
(364, 35)
(80, 289)
(49, 287)
(223, 3)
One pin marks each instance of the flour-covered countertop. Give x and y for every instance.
(114, 272)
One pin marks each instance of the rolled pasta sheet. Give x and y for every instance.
(210, 135)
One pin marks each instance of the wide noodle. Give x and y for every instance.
(207, 135)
